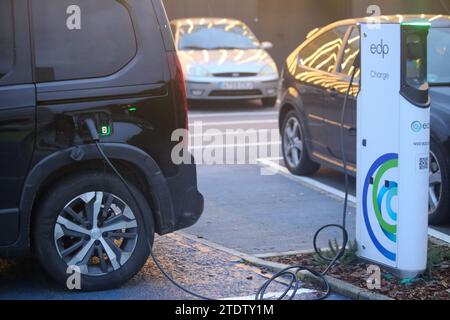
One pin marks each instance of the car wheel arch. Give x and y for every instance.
(290, 103)
(296, 106)
(441, 214)
(61, 163)
(440, 128)
(285, 109)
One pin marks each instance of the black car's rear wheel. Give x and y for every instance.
(90, 224)
(295, 152)
(439, 191)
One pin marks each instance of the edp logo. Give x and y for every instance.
(380, 49)
(417, 126)
(73, 21)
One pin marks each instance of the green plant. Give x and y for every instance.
(333, 250)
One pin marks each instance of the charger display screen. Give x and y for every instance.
(414, 79)
(416, 62)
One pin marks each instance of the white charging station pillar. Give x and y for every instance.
(393, 148)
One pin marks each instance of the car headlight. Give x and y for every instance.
(269, 69)
(198, 71)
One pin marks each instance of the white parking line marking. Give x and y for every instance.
(241, 145)
(273, 159)
(231, 114)
(323, 187)
(272, 295)
(223, 134)
(230, 123)
(277, 168)
(439, 235)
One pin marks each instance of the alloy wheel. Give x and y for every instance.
(293, 142)
(96, 232)
(435, 188)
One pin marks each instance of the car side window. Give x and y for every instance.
(351, 52)
(7, 45)
(323, 52)
(81, 39)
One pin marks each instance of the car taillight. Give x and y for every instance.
(179, 90)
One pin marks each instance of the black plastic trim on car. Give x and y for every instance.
(235, 74)
(135, 156)
(9, 226)
(176, 202)
(102, 94)
(234, 93)
(196, 82)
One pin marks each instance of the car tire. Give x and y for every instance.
(295, 152)
(125, 231)
(439, 185)
(269, 102)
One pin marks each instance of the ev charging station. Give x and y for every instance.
(393, 147)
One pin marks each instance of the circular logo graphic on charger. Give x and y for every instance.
(416, 126)
(378, 199)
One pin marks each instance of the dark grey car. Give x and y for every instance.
(315, 80)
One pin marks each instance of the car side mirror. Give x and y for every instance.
(266, 45)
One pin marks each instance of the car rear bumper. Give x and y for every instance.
(216, 90)
(188, 203)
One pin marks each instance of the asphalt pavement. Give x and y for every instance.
(259, 212)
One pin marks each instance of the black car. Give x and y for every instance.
(315, 81)
(65, 64)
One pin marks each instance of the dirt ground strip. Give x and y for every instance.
(203, 270)
(198, 267)
(433, 285)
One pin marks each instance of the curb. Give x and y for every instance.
(337, 286)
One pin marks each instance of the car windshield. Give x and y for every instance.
(439, 56)
(216, 36)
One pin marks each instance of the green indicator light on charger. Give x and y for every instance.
(132, 109)
(105, 131)
(417, 24)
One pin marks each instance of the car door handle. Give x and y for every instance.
(332, 92)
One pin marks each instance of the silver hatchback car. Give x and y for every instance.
(223, 60)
